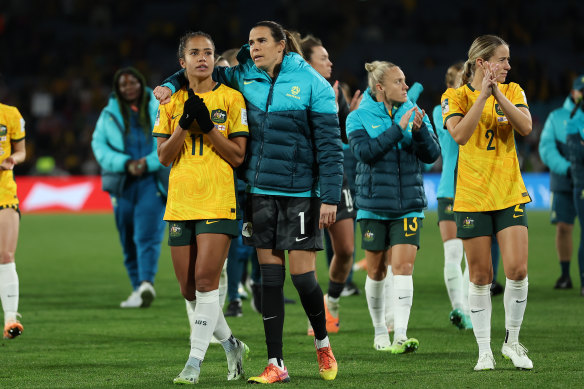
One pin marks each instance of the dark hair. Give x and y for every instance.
(143, 100)
(307, 44)
(186, 37)
(280, 34)
(453, 75)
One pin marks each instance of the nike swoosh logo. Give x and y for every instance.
(247, 82)
(477, 310)
(211, 222)
(12, 295)
(268, 318)
(413, 233)
(404, 297)
(522, 301)
(453, 278)
(376, 126)
(516, 216)
(300, 239)
(175, 116)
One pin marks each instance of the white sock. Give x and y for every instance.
(277, 362)
(333, 305)
(9, 291)
(515, 300)
(222, 331)
(452, 272)
(204, 323)
(191, 311)
(223, 286)
(465, 286)
(403, 295)
(322, 343)
(479, 301)
(376, 304)
(388, 289)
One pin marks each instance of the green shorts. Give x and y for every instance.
(184, 232)
(379, 235)
(474, 224)
(445, 212)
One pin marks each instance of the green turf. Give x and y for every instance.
(72, 280)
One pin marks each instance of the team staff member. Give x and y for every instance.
(203, 133)
(575, 142)
(136, 181)
(390, 153)
(454, 278)
(490, 196)
(294, 156)
(553, 150)
(12, 152)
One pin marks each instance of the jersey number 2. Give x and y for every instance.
(490, 135)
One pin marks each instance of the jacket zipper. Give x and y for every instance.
(268, 103)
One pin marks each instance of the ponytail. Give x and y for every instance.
(292, 45)
(466, 73)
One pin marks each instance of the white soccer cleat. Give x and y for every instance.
(382, 343)
(517, 353)
(485, 362)
(147, 294)
(133, 301)
(235, 360)
(188, 376)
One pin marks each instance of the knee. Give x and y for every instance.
(517, 273)
(6, 257)
(377, 273)
(304, 283)
(188, 292)
(403, 269)
(273, 275)
(564, 229)
(483, 277)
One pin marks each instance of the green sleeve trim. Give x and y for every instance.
(160, 135)
(522, 105)
(239, 133)
(451, 115)
(17, 140)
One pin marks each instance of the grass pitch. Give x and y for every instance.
(72, 280)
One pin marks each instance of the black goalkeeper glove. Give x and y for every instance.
(189, 108)
(202, 115)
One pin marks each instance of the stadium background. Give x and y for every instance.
(58, 57)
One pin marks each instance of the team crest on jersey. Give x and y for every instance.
(294, 92)
(3, 130)
(175, 230)
(247, 230)
(499, 110)
(219, 116)
(445, 107)
(368, 236)
(468, 223)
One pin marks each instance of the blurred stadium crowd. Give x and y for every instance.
(58, 57)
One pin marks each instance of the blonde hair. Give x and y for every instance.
(483, 47)
(453, 75)
(376, 71)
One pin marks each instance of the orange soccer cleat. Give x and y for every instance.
(272, 374)
(12, 329)
(327, 364)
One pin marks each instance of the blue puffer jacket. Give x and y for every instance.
(109, 148)
(390, 160)
(295, 139)
(553, 149)
(575, 142)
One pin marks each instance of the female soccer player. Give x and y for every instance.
(390, 151)
(456, 282)
(342, 232)
(490, 196)
(203, 133)
(136, 181)
(295, 154)
(13, 152)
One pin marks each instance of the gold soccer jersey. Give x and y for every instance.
(11, 130)
(202, 185)
(488, 176)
